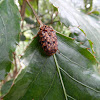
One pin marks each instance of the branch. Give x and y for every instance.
(22, 12)
(38, 20)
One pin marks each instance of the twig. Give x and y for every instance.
(22, 12)
(15, 62)
(1, 98)
(38, 20)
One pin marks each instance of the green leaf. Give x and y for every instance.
(96, 12)
(70, 73)
(9, 31)
(6, 87)
(29, 20)
(71, 17)
(80, 37)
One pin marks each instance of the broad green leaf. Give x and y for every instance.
(70, 16)
(9, 31)
(29, 21)
(6, 87)
(71, 72)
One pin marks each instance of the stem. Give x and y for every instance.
(60, 77)
(23, 9)
(15, 72)
(38, 20)
(22, 12)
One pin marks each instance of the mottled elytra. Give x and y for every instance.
(48, 39)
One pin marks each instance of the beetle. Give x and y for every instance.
(48, 39)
